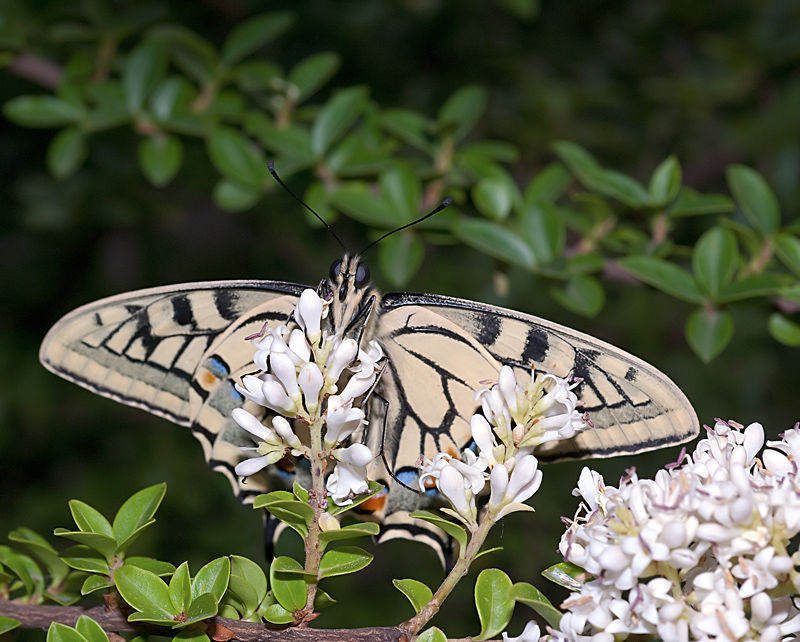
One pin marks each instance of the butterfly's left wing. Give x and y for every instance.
(441, 348)
(174, 351)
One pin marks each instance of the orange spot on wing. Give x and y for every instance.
(374, 504)
(286, 464)
(209, 379)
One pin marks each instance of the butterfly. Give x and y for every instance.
(178, 351)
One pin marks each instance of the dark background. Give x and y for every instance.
(714, 82)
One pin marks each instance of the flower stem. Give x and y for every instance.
(317, 502)
(459, 570)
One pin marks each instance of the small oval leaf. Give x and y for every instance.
(494, 605)
(708, 332)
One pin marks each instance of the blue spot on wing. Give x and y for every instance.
(218, 367)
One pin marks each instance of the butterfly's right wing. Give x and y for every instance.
(174, 351)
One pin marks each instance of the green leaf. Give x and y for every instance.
(160, 158)
(489, 551)
(43, 551)
(245, 572)
(548, 185)
(691, 203)
(66, 152)
(313, 72)
(343, 560)
(607, 182)
(322, 600)
(544, 230)
(236, 157)
(276, 614)
(582, 294)
(95, 583)
(358, 201)
(144, 68)
(235, 197)
(180, 588)
(192, 54)
(154, 617)
(212, 578)
(784, 330)
(289, 588)
(401, 190)
(715, 260)
(531, 596)
(755, 285)
(172, 94)
(137, 511)
(409, 126)
(496, 241)
(755, 197)
(252, 34)
(416, 592)
(103, 544)
(83, 558)
(580, 162)
(493, 198)
(42, 111)
(565, 574)
(665, 276)
(433, 634)
(62, 633)
(190, 635)
(296, 514)
(349, 532)
(149, 564)
(145, 592)
(453, 530)
(90, 629)
(708, 332)
(462, 111)
(399, 257)
(336, 117)
(665, 183)
(8, 624)
(203, 607)
(88, 519)
(787, 247)
(494, 605)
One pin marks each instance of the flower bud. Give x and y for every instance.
(342, 420)
(284, 430)
(340, 358)
(284, 369)
(275, 397)
(328, 522)
(251, 424)
(310, 381)
(308, 315)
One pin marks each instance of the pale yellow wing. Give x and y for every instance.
(448, 345)
(142, 348)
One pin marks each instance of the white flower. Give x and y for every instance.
(349, 477)
(687, 556)
(456, 489)
(272, 446)
(310, 379)
(342, 421)
(308, 314)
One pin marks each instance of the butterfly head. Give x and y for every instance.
(351, 294)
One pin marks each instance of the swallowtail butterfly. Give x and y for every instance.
(177, 351)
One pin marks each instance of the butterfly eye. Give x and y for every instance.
(362, 276)
(336, 268)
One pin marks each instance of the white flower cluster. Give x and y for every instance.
(699, 553)
(301, 373)
(521, 415)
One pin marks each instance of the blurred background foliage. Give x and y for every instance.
(133, 154)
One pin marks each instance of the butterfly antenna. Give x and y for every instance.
(271, 168)
(441, 206)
